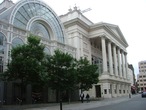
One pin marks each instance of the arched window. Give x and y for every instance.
(39, 29)
(30, 10)
(2, 50)
(2, 43)
(17, 42)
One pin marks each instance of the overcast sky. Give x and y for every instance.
(129, 15)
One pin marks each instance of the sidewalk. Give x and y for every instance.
(74, 105)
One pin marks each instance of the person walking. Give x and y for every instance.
(87, 97)
(82, 97)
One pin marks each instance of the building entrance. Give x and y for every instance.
(98, 90)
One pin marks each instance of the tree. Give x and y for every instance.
(66, 73)
(61, 73)
(87, 74)
(25, 64)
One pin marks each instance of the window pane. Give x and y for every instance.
(2, 43)
(39, 29)
(29, 10)
(17, 42)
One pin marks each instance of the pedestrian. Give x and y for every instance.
(87, 97)
(82, 97)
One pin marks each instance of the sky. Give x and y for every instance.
(129, 15)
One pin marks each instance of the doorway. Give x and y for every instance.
(98, 90)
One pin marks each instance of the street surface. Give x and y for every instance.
(119, 103)
(136, 103)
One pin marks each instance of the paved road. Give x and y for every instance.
(78, 105)
(84, 106)
(136, 103)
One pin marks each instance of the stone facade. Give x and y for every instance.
(101, 43)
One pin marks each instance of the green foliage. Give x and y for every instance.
(26, 61)
(87, 74)
(66, 73)
(61, 72)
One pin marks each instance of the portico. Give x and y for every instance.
(113, 78)
(114, 59)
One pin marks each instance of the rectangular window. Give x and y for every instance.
(124, 91)
(115, 91)
(105, 91)
(120, 91)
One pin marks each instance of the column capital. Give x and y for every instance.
(109, 42)
(102, 36)
(118, 48)
(115, 46)
(122, 52)
(125, 53)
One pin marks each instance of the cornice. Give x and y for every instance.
(79, 12)
(78, 31)
(78, 22)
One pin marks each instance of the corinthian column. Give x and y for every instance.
(110, 58)
(115, 60)
(123, 65)
(104, 58)
(119, 63)
(126, 64)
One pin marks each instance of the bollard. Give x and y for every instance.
(129, 95)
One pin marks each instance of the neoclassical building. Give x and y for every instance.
(101, 43)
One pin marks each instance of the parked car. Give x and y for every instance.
(143, 94)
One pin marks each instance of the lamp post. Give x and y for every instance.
(60, 101)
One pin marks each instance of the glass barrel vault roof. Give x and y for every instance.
(30, 10)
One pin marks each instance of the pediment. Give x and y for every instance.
(114, 29)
